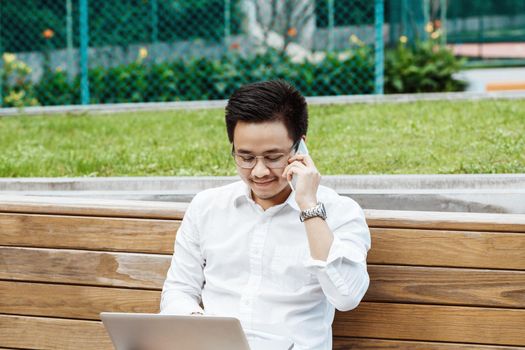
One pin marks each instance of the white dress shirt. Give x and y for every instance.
(236, 259)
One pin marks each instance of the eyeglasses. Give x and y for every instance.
(270, 160)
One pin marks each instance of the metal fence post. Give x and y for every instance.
(404, 21)
(443, 6)
(330, 25)
(69, 39)
(1, 64)
(84, 41)
(379, 47)
(426, 18)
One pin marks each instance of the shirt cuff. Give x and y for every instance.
(350, 251)
(181, 307)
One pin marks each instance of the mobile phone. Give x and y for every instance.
(300, 150)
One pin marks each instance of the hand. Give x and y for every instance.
(302, 167)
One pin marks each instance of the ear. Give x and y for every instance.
(304, 138)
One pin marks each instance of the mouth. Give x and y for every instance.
(263, 183)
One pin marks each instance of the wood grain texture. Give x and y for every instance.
(92, 207)
(79, 302)
(490, 250)
(446, 220)
(379, 344)
(92, 233)
(489, 326)
(450, 259)
(84, 267)
(52, 333)
(170, 210)
(388, 283)
(431, 285)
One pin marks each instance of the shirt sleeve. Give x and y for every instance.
(181, 293)
(343, 276)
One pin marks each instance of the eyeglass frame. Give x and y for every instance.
(294, 147)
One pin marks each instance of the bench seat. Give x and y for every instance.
(439, 281)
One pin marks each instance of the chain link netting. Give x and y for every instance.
(179, 50)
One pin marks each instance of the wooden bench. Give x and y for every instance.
(439, 281)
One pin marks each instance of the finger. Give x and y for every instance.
(296, 157)
(295, 163)
(308, 161)
(293, 168)
(303, 158)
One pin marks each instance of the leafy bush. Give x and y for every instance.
(422, 67)
(203, 78)
(54, 88)
(17, 89)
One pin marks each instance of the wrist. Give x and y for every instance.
(307, 204)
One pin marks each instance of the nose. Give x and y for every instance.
(260, 169)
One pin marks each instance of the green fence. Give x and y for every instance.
(486, 21)
(62, 52)
(462, 21)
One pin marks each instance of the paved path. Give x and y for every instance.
(480, 80)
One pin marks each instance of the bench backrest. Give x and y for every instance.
(439, 281)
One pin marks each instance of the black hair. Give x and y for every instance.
(274, 100)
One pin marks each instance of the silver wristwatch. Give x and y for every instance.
(317, 211)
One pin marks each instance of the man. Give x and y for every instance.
(279, 260)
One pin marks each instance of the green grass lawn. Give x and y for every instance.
(410, 138)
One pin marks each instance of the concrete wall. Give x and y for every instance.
(457, 193)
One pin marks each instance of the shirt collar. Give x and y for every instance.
(243, 193)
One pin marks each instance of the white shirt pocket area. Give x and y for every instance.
(288, 268)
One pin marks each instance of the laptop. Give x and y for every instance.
(132, 331)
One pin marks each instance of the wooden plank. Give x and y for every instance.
(92, 207)
(446, 220)
(378, 344)
(80, 302)
(91, 233)
(490, 326)
(388, 283)
(479, 287)
(84, 267)
(52, 333)
(407, 284)
(170, 210)
(490, 250)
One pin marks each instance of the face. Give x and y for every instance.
(268, 138)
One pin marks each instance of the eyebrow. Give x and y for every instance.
(273, 150)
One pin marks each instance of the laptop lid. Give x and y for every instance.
(129, 331)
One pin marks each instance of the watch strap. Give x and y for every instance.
(317, 211)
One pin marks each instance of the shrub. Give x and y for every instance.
(422, 67)
(203, 78)
(17, 88)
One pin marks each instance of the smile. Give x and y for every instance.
(265, 183)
